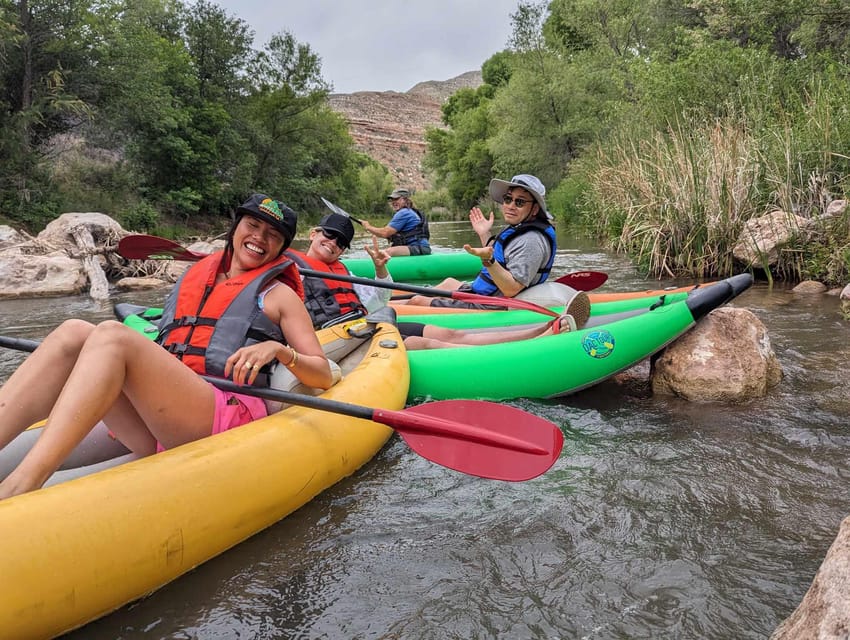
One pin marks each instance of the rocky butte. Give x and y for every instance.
(390, 127)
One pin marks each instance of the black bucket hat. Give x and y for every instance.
(340, 226)
(275, 212)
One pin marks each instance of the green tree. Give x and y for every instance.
(496, 70)
(220, 48)
(287, 63)
(298, 147)
(460, 157)
(172, 78)
(41, 46)
(375, 183)
(565, 88)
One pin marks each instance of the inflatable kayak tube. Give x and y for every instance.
(75, 551)
(561, 364)
(431, 268)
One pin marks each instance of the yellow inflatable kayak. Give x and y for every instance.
(75, 551)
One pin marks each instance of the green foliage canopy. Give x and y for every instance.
(193, 116)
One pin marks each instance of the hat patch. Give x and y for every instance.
(272, 208)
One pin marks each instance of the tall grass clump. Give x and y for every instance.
(806, 167)
(676, 201)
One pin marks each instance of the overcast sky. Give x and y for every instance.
(383, 45)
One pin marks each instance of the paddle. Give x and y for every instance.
(483, 439)
(336, 209)
(578, 280)
(583, 280)
(511, 303)
(144, 247)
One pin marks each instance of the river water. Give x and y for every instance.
(661, 518)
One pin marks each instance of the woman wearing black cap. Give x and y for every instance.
(330, 301)
(153, 398)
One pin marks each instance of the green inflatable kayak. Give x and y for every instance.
(431, 268)
(618, 335)
(565, 363)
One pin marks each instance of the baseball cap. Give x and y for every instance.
(399, 193)
(339, 226)
(275, 212)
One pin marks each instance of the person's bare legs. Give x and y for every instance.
(403, 250)
(449, 284)
(576, 314)
(441, 338)
(31, 391)
(143, 392)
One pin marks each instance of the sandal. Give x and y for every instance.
(564, 323)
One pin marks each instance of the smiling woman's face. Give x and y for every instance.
(323, 248)
(256, 242)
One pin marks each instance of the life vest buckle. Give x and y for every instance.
(176, 347)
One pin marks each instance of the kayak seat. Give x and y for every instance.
(284, 380)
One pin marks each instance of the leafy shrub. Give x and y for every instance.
(139, 217)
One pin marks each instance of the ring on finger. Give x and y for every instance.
(248, 365)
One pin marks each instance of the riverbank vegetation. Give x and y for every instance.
(162, 113)
(661, 127)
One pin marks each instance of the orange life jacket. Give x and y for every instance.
(203, 323)
(327, 300)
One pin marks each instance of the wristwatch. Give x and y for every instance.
(488, 263)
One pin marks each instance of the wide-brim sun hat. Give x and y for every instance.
(340, 225)
(275, 212)
(498, 189)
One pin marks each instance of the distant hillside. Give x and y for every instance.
(390, 126)
(440, 90)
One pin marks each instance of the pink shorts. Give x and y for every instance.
(233, 410)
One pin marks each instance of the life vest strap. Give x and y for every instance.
(183, 349)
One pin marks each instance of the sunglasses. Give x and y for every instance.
(330, 235)
(519, 202)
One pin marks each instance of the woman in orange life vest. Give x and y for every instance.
(327, 299)
(83, 373)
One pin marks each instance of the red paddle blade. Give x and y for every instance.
(141, 247)
(497, 441)
(583, 280)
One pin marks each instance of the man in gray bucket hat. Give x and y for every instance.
(498, 189)
(519, 256)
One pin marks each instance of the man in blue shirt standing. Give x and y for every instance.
(407, 230)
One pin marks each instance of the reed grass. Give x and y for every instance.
(677, 201)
